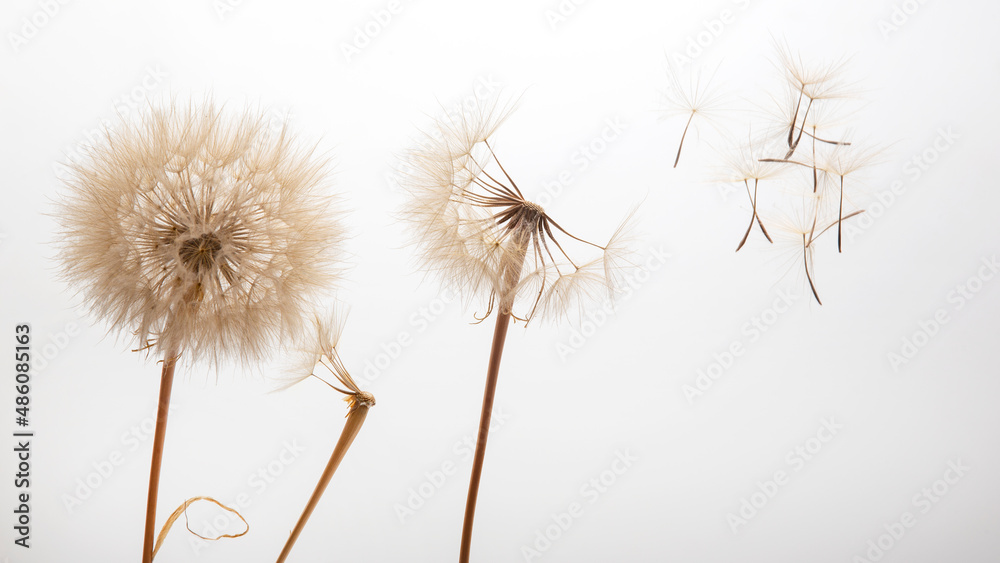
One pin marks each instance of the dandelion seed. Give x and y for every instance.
(842, 162)
(202, 236)
(801, 232)
(821, 117)
(812, 83)
(696, 98)
(741, 166)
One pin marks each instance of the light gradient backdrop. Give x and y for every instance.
(878, 440)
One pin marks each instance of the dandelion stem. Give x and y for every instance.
(351, 428)
(499, 336)
(681, 145)
(159, 435)
(511, 275)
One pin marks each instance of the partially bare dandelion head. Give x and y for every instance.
(318, 353)
(199, 233)
(475, 228)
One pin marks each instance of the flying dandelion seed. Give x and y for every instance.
(811, 103)
(799, 231)
(698, 98)
(845, 161)
(811, 84)
(742, 166)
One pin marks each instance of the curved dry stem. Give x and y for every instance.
(182, 509)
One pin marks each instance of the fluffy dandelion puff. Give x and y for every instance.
(199, 232)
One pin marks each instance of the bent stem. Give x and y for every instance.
(355, 419)
(159, 435)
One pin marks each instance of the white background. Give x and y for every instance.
(567, 416)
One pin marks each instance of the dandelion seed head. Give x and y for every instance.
(200, 232)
